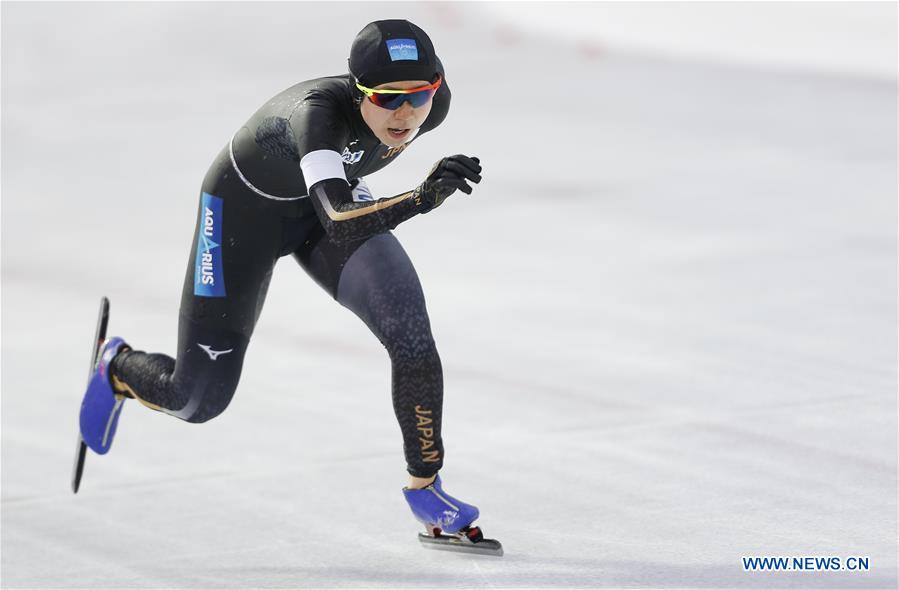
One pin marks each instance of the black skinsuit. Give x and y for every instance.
(254, 208)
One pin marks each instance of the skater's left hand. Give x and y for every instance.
(448, 175)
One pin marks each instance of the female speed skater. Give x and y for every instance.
(290, 181)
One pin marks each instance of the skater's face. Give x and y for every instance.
(394, 127)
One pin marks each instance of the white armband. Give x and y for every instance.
(321, 165)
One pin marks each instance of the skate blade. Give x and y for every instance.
(448, 543)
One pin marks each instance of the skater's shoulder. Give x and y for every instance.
(329, 92)
(318, 109)
(339, 87)
(317, 106)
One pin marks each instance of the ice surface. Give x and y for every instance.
(667, 316)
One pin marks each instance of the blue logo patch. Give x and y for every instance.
(350, 158)
(209, 277)
(402, 49)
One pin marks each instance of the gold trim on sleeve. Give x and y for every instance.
(353, 213)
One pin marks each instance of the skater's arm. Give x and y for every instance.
(346, 220)
(321, 129)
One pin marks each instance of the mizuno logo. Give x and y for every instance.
(213, 354)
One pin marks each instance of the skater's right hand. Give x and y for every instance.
(445, 177)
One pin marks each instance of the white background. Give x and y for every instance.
(667, 316)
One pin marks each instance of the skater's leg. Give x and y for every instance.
(238, 237)
(196, 387)
(376, 280)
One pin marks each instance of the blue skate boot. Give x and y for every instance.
(436, 509)
(102, 405)
(441, 513)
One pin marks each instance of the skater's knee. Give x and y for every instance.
(410, 339)
(208, 374)
(413, 350)
(208, 403)
(201, 417)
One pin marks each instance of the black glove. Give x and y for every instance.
(445, 177)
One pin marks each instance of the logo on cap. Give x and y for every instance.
(402, 49)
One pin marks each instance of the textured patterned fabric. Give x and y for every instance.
(380, 285)
(346, 220)
(275, 136)
(195, 388)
